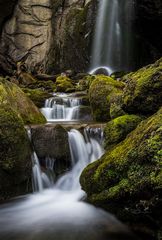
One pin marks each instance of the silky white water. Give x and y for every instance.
(113, 38)
(57, 213)
(62, 107)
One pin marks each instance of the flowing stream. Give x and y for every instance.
(56, 210)
(65, 107)
(113, 38)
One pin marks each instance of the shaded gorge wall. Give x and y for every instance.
(58, 34)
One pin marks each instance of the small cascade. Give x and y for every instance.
(113, 38)
(41, 179)
(84, 150)
(62, 107)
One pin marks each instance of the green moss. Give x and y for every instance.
(102, 89)
(64, 84)
(38, 96)
(143, 91)
(12, 95)
(116, 130)
(131, 170)
(15, 153)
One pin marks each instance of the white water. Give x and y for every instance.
(113, 38)
(57, 213)
(62, 107)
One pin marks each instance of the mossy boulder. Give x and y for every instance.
(128, 178)
(64, 84)
(12, 95)
(117, 129)
(38, 96)
(85, 82)
(15, 155)
(143, 91)
(101, 90)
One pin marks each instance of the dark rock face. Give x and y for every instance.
(6, 10)
(54, 36)
(47, 36)
(52, 142)
(149, 30)
(73, 23)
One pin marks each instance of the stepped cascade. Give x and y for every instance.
(112, 49)
(63, 107)
(55, 209)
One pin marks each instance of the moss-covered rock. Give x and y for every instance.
(143, 91)
(15, 155)
(38, 96)
(127, 180)
(12, 95)
(116, 130)
(85, 82)
(102, 89)
(64, 84)
(131, 168)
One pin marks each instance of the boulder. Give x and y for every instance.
(117, 129)
(38, 96)
(12, 95)
(127, 180)
(64, 84)
(143, 90)
(101, 90)
(51, 141)
(15, 155)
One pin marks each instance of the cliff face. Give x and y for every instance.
(46, 35)
(56, 35)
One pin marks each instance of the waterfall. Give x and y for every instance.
(113, 38)
(62, 107)
(82, 153)
(84, 148)
(58, 212)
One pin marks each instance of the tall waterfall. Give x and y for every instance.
(113, 37)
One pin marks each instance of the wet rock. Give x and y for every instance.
(15, 155)
(101, 90)
(116, 130)
(12, 95)
(143, 90)
(127, 180)
(52, 141)
(64, 84)
(38, 96)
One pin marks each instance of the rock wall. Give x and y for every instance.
(27, 35)
(55, 35)
(47, 35)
